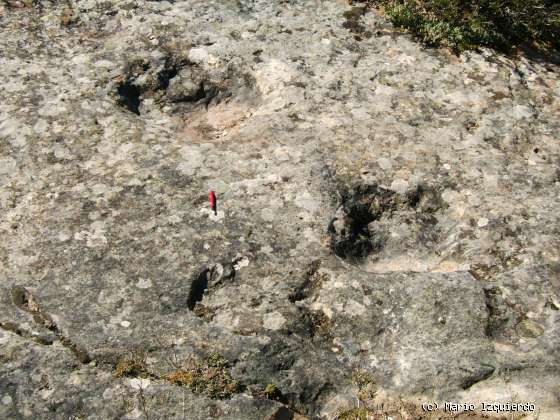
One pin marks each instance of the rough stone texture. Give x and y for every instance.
(381, 207)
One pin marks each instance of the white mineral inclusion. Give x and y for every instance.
(354, 308)
(104, 64)
(96, 239)
(200, 55)
(6, 400)
(267, 249)
(40, 126)
(244, 262)
(399, 186)
(273, 75)
(307, 202)
(125, 324)
(46, 393)
(273, 321)
(99, 189)
(175, 218)
(268, 214)
(63, 236)
(80, 59)
(384, 163)
(406, 59)
(311, 236)
(75, 379)
(4, 338)
(522, 111)
(7, 165)
(263, 340)
(108, 394)
(192, 159)
(483, 222)
(144, 283)
(139, 383)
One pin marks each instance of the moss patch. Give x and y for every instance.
(132, 365)
(366, 385)
(361, 413)
(211, 377)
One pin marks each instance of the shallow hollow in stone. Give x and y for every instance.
(350, 229)
(173, 83)
(176, 80)
(206, 103)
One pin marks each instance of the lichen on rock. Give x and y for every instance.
(383, 208)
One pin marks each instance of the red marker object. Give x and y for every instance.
(212, 198)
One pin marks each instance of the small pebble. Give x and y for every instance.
(399, 186)
(144, 283)
(384, 163)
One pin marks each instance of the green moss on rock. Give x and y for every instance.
(211, 377)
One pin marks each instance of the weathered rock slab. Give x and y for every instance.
(382, 208)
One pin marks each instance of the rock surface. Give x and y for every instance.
(382, 207)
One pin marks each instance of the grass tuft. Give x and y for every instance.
(366, 385)
(132, 365)
(210, 377)
(358, 413)
(272, 392)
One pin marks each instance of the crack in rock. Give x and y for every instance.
(24, 300)
(309, 285)
(207, 278)
(502, 317)
(29, 335)
(485, 372)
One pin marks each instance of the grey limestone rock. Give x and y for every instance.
(382, 208)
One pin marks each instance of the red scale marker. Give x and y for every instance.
(212, 197)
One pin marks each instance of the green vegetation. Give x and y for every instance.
(468, 24)
(132, 365)
(358, 413)
(366, 385)
(366, 393)
(272, 392)
(210, 377)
